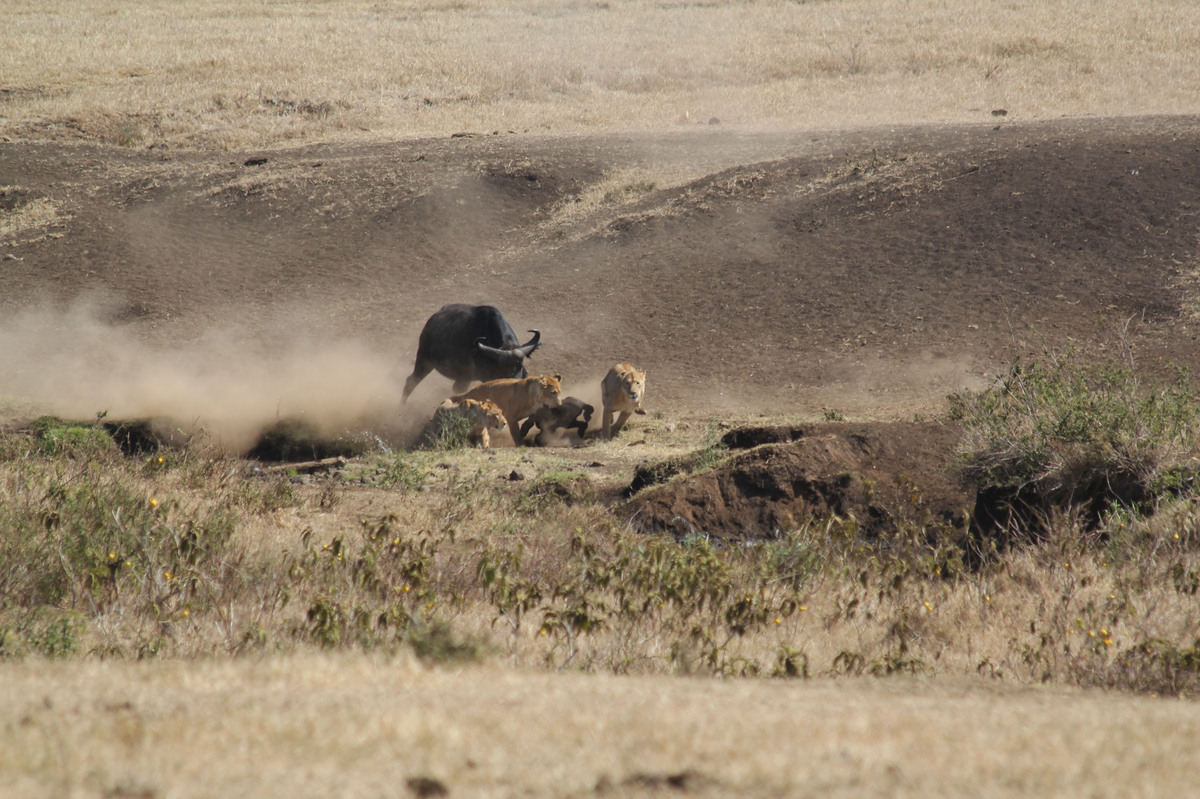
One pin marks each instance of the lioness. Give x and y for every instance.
(622, 391)
(565, 417)
(517, 398)
(480, 418)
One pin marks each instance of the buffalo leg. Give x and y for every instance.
(419, 373)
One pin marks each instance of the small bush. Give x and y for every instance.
(1058, 432)
(56, 436)
(446, 431)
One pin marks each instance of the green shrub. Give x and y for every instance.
(56, 436)
(447, 431)
(1062, 427)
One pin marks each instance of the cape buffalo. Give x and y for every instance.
(467, 343)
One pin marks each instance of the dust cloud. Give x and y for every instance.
(73, 363)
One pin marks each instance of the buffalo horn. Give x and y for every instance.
(528, 347)
(497, 353)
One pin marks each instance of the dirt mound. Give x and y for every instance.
(883, 474)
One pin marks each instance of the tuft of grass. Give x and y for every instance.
(554, 487)
(22, 216)
(714, 451)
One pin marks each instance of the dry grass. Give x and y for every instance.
(231, 75)
(351, 725)
(28, 219)
(397, 545)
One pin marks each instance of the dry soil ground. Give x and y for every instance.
(868, 272)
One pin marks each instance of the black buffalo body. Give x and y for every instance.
(468, 343)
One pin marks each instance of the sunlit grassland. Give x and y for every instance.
(235, 75)
(358, 725)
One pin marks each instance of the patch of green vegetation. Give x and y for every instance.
(447, 431)
(553, 487)
(1061, 425)
(55, 436)
(42, 632)
(399, 470)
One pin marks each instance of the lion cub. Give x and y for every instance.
(480, 416)
(564, 418)
(622, 391)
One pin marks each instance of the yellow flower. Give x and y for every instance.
(542, 631)
(405, 589)
(802, 608)
(987, 597)
(1091, 633)
(927, 605)
(778, 620)
(160, 459)
(153, 502)
(186, 612)
(1176, 536)
(168, 575)
(112, 555)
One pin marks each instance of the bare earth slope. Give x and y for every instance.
(868, 271)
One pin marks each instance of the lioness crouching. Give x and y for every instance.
(474, 417)
(622, 391)
(517, 398)
(565, 417)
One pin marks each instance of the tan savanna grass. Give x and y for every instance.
(237, 75)
(357, 726)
